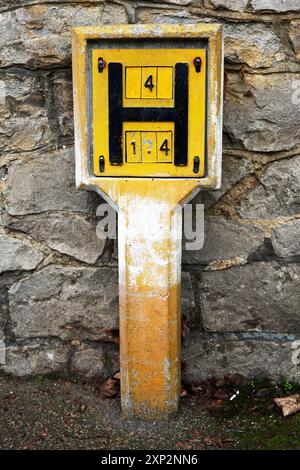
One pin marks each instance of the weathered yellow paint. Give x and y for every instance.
(133, 80)
(165, 141)
(163, 81)
(140, 141)
(148, 72)
(212, 33)
(133, 149)
(149, 219)
(149, 293)
(150, 299)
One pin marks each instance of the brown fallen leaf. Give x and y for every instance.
(110, 388)
(215, 404)
(289, 405)
(117, 376)
(186, 445)
(11, 396)
(82, 408)
(213, 441)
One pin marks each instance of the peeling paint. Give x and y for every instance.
(150, 231)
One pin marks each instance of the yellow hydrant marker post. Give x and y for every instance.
(148, 121)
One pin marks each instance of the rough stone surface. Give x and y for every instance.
(2, 348)
(63, 316)
(258, 296)
(187, 294)
(277, 6)
(24, 123)
(234, 169)
(254, 45)
(40, 35)
(176, 2)
(260, 113)
(38, 358)
(68, 302)
(294, 35)
(286, 239)
(47, 182)
(277, 195)
(90, 364)
(65, 302)
(68, 233)
(234, 5)
(62, 106)
(256, 358)
(152, 15)
(17, 254)
(224, 240)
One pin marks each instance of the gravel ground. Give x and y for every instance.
(59, 414)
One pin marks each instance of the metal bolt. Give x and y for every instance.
(197, 63)
(101, 64)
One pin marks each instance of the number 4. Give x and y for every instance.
(149, 83)
(164, 147)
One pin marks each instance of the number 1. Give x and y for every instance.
(133, 148)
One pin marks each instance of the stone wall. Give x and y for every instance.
(58, 284)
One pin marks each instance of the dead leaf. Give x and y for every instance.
(184, 445)
(213, 441)
(110, 388)
(289, 405)
(117, 376)
(79, 407)
(82, 408)
(11, 396)
(215, 404)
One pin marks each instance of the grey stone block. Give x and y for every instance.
(259, 296)
(36, 358)
(48, 183)
(233, 170)
(286, 239)
(277, 195)
(65, 303)
(71, 234)
(277, 6)
(24, 124)
(43, 32)
(260, 113)
(17, 254)
(90, 364)
(252, 358)
(233, 5)
(225, 239)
